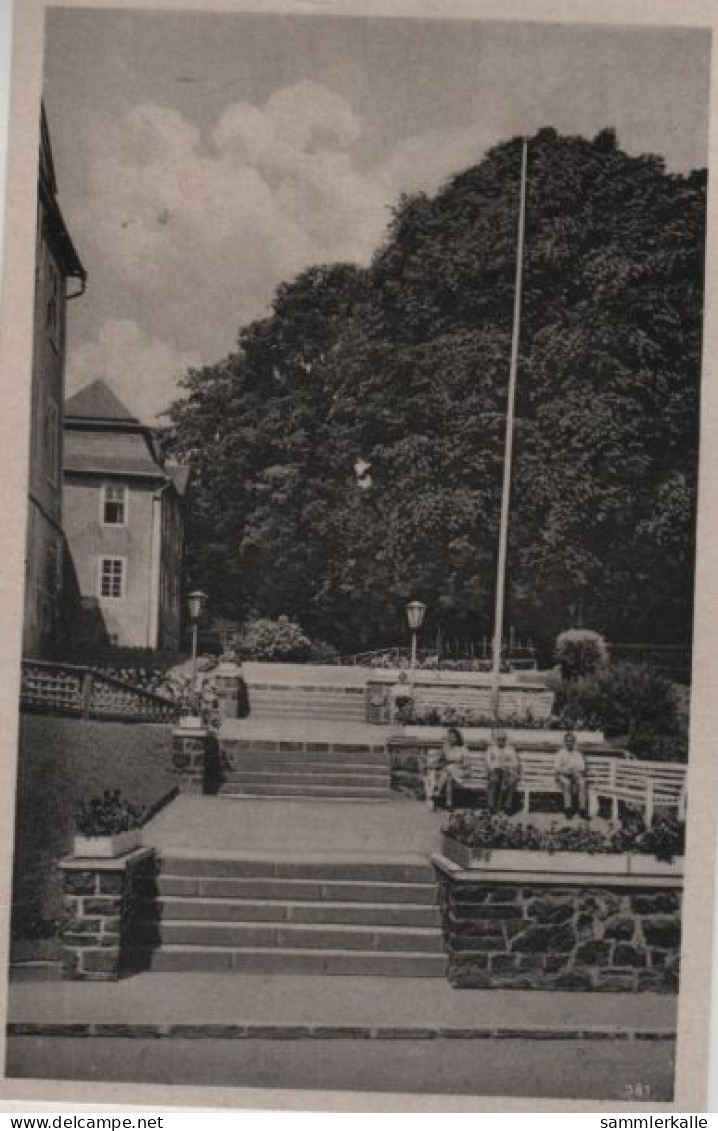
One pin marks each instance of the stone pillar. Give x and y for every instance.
(189, 755)
(101, 900)
(227, 678)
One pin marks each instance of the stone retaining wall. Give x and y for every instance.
(525, 934)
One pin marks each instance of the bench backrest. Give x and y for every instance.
(629, 777)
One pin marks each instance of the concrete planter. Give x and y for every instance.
(567, 863)
(107, 847)
(641, 865)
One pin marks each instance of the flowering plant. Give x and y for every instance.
(664, 839)
(107, 815)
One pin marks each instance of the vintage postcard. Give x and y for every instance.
(359, 574)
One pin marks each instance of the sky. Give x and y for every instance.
(204, 159)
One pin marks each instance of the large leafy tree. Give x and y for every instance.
(404, 366)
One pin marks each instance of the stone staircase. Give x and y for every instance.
(330, 703)
(321, 916)
(339, 771)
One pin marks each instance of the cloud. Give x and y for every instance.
(424, 162)
(143, 372)
(189, 235)
(274, 184)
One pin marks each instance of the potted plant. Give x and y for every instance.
(107, 826)
(190, 708)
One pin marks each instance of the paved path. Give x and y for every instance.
(310, 1001)
(589, 1070)
(387, 829)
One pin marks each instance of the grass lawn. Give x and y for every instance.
(60, 762)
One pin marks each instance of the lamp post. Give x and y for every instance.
(415, 616)
(195, 602)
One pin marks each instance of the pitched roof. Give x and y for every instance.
(110, 453)
(97, 402)
(103, 438)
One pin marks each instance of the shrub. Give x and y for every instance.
(628, 701)
(580, 652)
(279, 640)
(107, 815)
(321, 652)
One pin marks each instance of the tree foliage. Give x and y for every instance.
(404, 366)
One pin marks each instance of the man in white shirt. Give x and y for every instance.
(400, 699)
(504, 771)
(571, 777)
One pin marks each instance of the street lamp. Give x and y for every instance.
(415, 616)
(195, 602)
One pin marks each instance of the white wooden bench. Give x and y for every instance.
(648, 785)
(645, 785)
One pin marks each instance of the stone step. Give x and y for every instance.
(351, 692)
(297, 911)
(236, 793)
(354, 696)
(294, 890)
(283, 789)
(329, 706)
(289, 961)
(283, 777)
(379, 872)
(275, 766)
(339, 699)
(293, 936)
(334, 753)
(313, 712)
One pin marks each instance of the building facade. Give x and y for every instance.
(123, 520)
(59, 276)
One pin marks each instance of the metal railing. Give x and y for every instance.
(77, 691)
(518, 660)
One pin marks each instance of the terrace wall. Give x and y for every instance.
(535, 933)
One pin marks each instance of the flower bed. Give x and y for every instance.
(477, 840)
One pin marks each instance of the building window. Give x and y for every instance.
(114, 505)
(51, 441)
(112, 577)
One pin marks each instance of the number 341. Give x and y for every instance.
(637, 1091)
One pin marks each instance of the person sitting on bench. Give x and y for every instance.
(400, 699)
(571, 777)
(438, 767)
(504, 771)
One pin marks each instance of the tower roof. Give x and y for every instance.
(98, 402)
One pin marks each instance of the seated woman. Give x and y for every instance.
(438, 766)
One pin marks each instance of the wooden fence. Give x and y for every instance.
(79, 692)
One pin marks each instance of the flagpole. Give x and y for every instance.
(508, 448)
